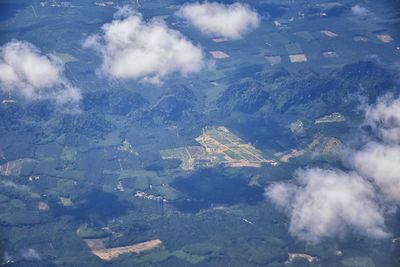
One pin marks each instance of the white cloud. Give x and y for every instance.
(381, 164)
(35, 76)
(30, 254)
(132, 48)
(380, 161)
(282, 194)
(229, 21)
(384, 119)
(329, 203)
(360, 11)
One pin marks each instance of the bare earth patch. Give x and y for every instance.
(218, 54)
(297, 58)
(386, 38)
(97, 248)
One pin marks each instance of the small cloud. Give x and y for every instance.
(132, 48)
(215, 19)
(35, 76)
(360, 11)
(329, 203)
(282, 194)
(380, 163)
(30, 254)
(384, 119)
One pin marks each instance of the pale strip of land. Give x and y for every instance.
(334, 117)
(108, 254)
(329, 33)
(294, 256)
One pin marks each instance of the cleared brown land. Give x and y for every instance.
(108, 254)
(218, 54)
(386, 38)
(43, 206)
(297, 58)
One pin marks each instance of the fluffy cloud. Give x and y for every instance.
(360, 11)
(132, 48)
(229, 21)
(25, 70)
(380, 161)
(384, 119)
(381, 164)
(329, 203)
